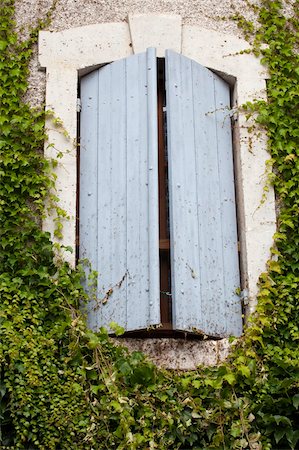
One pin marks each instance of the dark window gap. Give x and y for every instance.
(78, 182)
(164, 237)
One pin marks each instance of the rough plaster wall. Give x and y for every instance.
(179, 353)
(212, 14)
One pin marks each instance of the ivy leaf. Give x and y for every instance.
(197, 383)
(274, 266)
(3, 45)
(279, 434)
(125, 368)
(230, 378)
(282, 419)
(236, 430)
(244, 370)
(292, 437)
(2, 390)
(216, 384)
(116, 405)
(118, 330)
(185, 382)
(295, 400)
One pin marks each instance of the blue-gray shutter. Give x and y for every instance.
(119, 230)
(203, 227)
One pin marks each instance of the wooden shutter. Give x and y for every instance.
(203, 229)
(119, 230)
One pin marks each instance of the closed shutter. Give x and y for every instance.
(203, 227)
(119, 231)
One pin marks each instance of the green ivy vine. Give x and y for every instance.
(65, 387)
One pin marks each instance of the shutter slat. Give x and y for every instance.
(128, 253)
(209, 211)
(182, 193)
(111, 263)
(88, 184)
(231, 276)
(204, 256)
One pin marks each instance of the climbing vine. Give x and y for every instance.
(65, 387)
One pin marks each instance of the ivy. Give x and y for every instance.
(63, 386)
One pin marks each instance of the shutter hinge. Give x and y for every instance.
(245, 297)
(79, 105)
(233, 114)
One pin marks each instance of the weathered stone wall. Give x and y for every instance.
(211, 14)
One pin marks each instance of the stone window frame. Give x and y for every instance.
(69, 54)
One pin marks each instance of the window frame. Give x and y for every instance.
(68, 54)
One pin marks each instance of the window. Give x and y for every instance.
(69, 54)
(150, 137)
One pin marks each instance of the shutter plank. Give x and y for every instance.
(209, 211)
(111, 195)
(231, 276)
(127, 180)
(182, 194)
(142, 197)
(88, 184)
(203, 229)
